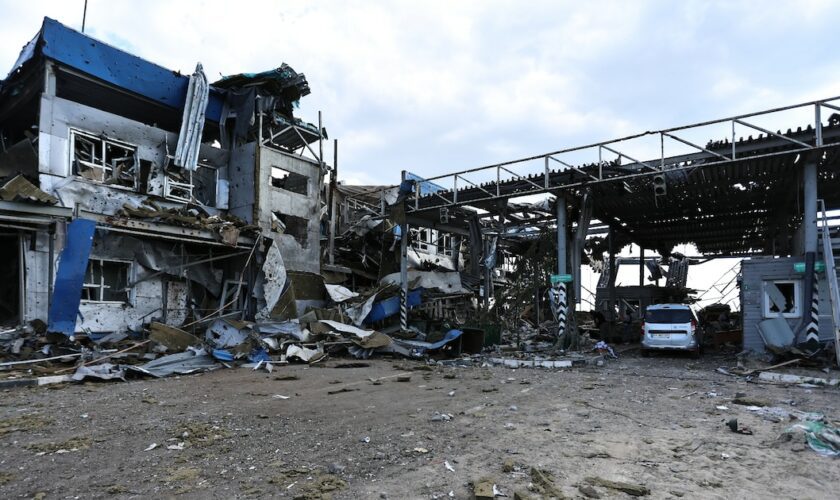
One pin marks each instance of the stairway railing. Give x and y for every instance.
(831, 275)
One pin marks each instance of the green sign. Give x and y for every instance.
(799, 267)
(561, 278)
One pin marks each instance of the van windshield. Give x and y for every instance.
(668, 316)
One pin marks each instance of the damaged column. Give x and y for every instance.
(558, 294)
(808, 330)
(403, 262)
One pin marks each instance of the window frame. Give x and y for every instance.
(190, 187)
(101, 287)
(289, 173)
(767, 303)
(102, 145)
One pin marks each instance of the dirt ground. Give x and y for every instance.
(316, 432)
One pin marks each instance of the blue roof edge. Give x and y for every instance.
(115, 66)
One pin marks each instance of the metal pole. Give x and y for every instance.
(320, 141)
(404, 268)
(84, 17)
(51, 264)
(21, 279)
(641, 266)
(487, 278)
(333, 204)
(611, 283)
(818, 125)
(809, 220)
(560, 208)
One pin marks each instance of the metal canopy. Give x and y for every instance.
(730, 197)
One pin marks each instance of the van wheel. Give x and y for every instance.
(645, 353)
(695, 354)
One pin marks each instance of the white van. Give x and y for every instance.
(670, 326)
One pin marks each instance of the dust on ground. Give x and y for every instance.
(365, 432)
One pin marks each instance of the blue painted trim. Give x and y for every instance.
(72, 266)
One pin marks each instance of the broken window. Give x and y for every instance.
(188, 186)
(106, 281)
(289, 181)
(103, 160)
(298, 227)
(421, 239)
(231, 300)
(782, 298)
(444, 244)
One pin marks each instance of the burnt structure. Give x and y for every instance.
(166, 197)
(735, 197)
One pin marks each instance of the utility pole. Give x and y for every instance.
(84, 16)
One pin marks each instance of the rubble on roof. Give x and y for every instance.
(20, 189)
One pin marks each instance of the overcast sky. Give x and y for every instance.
(433, 87)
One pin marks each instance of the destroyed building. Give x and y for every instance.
(134, 195)
(163, 194)
(769, 198)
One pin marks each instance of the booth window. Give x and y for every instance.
(782, 298)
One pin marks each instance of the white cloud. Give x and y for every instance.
(449, 85)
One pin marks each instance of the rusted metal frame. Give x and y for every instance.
(687, 143)
(639, 162)
(417, 193)
(455, 189)
(475, 185)
(832, 106)
(314, 154)
(768, 132)
(521, 178)
(439, 196)
(818, 140)
(733, 139)
(625, 176)
(822, 102)
(545, 177)
(275, 135)
(571, 167)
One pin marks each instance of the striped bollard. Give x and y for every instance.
(403, 310)
(560, 308)
(812, 331)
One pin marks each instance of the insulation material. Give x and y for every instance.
(192, 124)
(445, 282)
(349, 329)
(339, 293)
(273, 280)
(359, 312)
(302, 353)
(227, 333)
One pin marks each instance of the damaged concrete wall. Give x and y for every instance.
(155, 296)
(59, 116)
(242, 193)
(300, 241)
